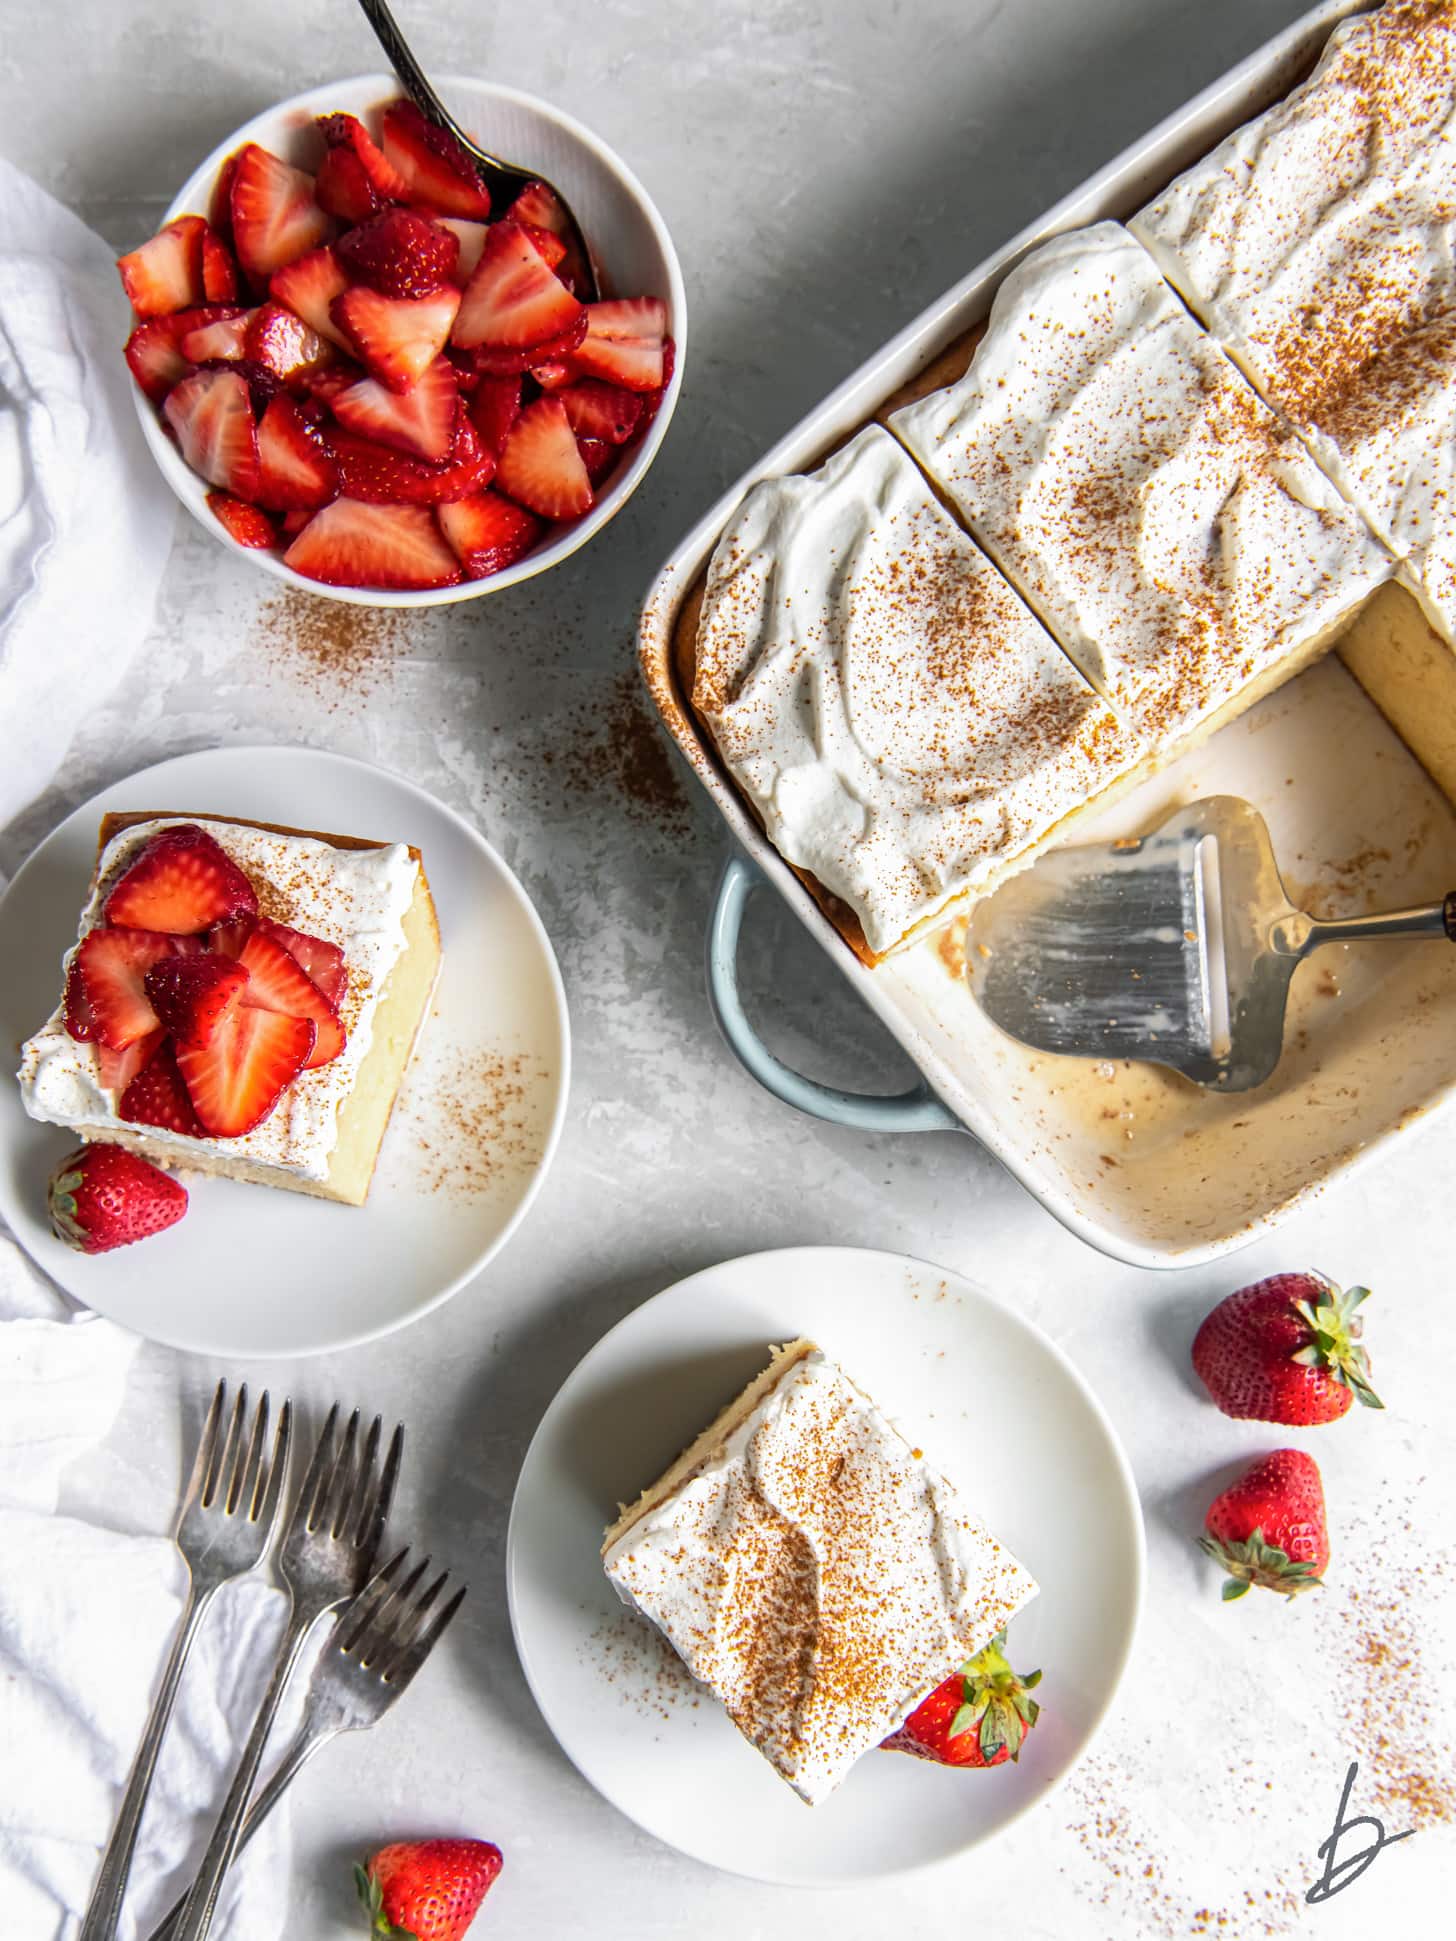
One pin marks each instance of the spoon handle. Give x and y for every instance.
(405, 65)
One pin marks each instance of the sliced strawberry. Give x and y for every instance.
(550, 247)
(211, 413)
(322, 962)
(554, 376)
(295, 519)
(275, 218)
(397, 337)
(513, 301)
(541, 467)
(347, 132)
(226, 939)
(470, 236)
(623, 342)
(295, 468)
(156, 1096)
(219, 271)
(309, 287)
(222, 337)
(192, 995)
(236, 1078)
(220, 204)
(402, 254)
(488, 532)
(634, 362)
(494, 409)
(283, 343)
(623, 318)
(80, 1018)
(322, 386)
(420, 420)
(652, 400)
(436, 169)
(165, 274)
(154, 349)
(117, 1069)
(380, 476)
(241, 521)
(598, 457)
(539, 207)
(343, 187)
(352, 544)
(181, 883)
(276, 981)
(493, 360)
(597, 410)
(112, 964)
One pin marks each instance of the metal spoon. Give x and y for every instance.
(1177, 947)
(503, 179)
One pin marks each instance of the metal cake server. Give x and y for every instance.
(504, 179)
(1177, 947)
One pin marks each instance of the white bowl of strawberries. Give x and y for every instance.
(352, 369)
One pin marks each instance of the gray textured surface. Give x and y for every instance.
(825, 170)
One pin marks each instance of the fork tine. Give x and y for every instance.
(309, 1496)
(206, 1449)
(414, 1621)
(404, 1667)
(356, 1616)
(364, 1478)
(373, 1517)
(341, 1481)
(376, 1636)
(222, 1469)
(269, 1489)
(244, 1480)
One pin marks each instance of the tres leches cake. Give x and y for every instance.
(811, 1568)
(1315, 243)
(1168, 527)
(242, 998)
(904, 726)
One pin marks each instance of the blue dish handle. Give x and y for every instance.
(917, 1110)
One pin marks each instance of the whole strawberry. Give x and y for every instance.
(1269, 1528)
(101, 1197)
(426, 1890)
(979, 1716)
(1286, 1350)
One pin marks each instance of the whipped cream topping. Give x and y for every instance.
(1316, 243)
(903, 724)
(355, 898)
(1175, 536)
(818, 1576)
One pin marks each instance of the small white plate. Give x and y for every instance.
(998, 1408)
(250, 1270)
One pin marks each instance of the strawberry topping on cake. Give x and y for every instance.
(202, 1011)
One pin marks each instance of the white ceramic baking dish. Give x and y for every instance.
(1138, 1162)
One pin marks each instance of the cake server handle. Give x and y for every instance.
(917, 1110)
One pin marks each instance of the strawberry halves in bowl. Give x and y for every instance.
(373, 382)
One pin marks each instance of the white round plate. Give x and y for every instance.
(998, 1408)
(251, 1270)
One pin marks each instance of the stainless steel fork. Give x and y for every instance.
(378, 1644)
(223, 1529)
(326, 1558)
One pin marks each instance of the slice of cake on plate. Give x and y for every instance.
(242, 998)
(812, 1569)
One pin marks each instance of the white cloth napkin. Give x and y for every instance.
(85, 517)
(86, 1617)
